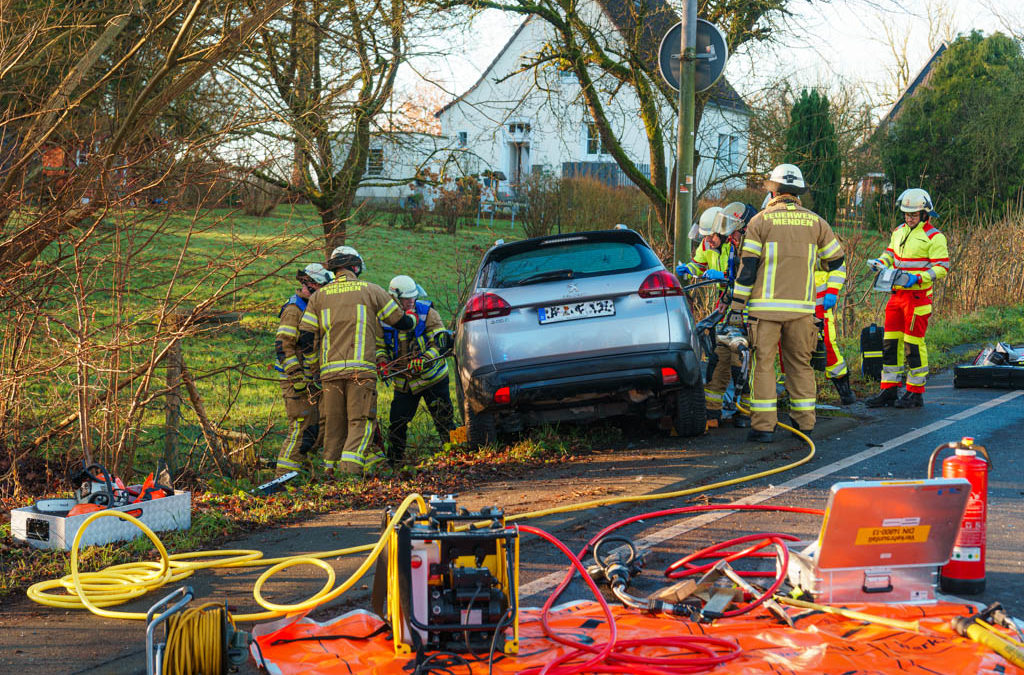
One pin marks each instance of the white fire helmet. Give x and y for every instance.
(346, 256)
(730, 218)
(706, 224)
(914, 200)
(403, 286)
(316, 273)
(786, 178)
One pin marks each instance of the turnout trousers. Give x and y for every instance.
(303, 430)
(348, 414)
(795, 340)
(903, 348)
(403, 410)
(721, 375)
(835, 364)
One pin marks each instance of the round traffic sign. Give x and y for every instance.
(712, 53)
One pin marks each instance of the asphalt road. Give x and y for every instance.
(886, 444)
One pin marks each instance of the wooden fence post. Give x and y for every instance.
(172, 404)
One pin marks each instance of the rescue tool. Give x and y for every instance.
(453, 588)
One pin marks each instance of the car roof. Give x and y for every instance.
(501, 251)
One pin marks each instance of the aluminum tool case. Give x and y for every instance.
(882, 541)
(46, 531)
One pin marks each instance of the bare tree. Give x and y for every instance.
(316, 85)
(64, 62)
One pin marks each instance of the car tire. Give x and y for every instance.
(689, 415)
(481, 428)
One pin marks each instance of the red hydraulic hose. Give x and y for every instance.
(610, 657)
(686, 562)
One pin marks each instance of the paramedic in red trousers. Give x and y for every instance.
(423, 352)
(299, 390)
(918, 248)
(775, 285)
(339, 331)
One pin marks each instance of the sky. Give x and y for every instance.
(825, 42)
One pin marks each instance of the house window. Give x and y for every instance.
(519, 128)
(594, 145)
(375, 162)
(729, 152)
(463, 139)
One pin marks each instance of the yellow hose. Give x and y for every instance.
(120, 583)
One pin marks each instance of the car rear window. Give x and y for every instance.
(570, 260)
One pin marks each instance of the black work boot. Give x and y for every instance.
(761, 436)
(909, 399)
(741, 421)
(882, 398)
(846, 395)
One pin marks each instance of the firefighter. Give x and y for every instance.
(775, 286)
(828, 283)
(918, 248)
(339, 330)
(423, 352)
(299, 389)
(722, 232)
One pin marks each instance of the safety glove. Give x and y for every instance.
(734, 318)
(416, 365)
(912, 280)
(299, 386)
(713, 274)
(876, 264)
(382, 368)
(829, 301)
(681, 271)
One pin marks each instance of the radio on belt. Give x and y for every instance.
(882, 541)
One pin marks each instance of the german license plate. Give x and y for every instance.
(576, 310)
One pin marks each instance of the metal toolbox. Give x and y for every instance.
(882, 541)
(56, 532)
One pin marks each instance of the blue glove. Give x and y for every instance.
(829, 301)
(682, 271)
(713, 274)
(913, 280)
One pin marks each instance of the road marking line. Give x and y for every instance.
(549, 580)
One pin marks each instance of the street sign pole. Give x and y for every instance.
(684, 137)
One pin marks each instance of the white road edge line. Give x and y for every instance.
(549, 580)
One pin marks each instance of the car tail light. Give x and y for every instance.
(669, 376)
(485, 306)
(503, 396)
(660, 284)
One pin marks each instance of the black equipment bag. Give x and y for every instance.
(871, 352)
(997, 377)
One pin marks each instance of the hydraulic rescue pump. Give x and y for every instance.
(452, 580)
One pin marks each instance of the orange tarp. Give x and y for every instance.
(819, 644)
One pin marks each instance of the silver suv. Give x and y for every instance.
(576, 327)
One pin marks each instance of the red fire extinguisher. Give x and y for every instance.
(965, 571)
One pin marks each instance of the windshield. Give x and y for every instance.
(567, 261)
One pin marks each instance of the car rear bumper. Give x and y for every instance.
(544, 382)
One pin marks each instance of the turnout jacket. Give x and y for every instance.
(341, 325)
(920, 250)
(705, 258)
(782, 247)
(290, 361)
(393, 344)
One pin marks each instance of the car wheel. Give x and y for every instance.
(481, 428)
(688, 415)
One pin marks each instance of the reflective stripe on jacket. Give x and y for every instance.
(920, 250)
(394, 344)
(788, 241)
(289, 359)
(345, 319)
